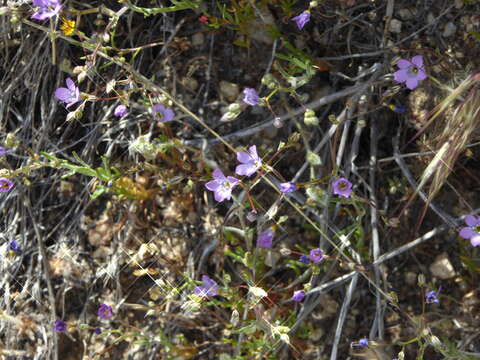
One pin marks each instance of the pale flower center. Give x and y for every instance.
(477, 229)
(413, 70)
(226, 185)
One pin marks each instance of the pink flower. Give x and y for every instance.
(250, 162)
(222, 185)
(472, 230)
(69, 95)
(411, 72)
(342, 187)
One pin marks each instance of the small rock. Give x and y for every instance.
(449, 29)
(198, 39)
(395, 26)
(406, 14)
(442, 267)
(229, 90)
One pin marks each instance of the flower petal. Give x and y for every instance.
(218, 175)
(403, 64)
(412, 83)
(244, 157)
(475, 241)
(471, 220)
(467, 233)
(253, 152)
(70, 85)
(212, 185)
(245, 169)
(62, 94)
(232, 180)
(401, 75)
(222, 194)
(417, 60)
(422, 75)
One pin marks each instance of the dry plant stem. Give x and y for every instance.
(46, 270)
(447, 219)
(343, 315)
(378, 322)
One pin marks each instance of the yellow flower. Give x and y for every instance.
(68, 26)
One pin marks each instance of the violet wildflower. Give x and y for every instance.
(222, 185)
(304, 259)
(97, 331)
(411, 72)
(363, 342)
(250, 162)
(288, 187)
(431, 297)
(251, 96)
(316, 255)
(208, 288)
(342, 187)
(13, 245)
(265, 239)
(3, 151)
(46, 9)
(162, 113)
(120, 111)
(69, 95)
(298, 295)
(472, 230)
(59, 326)
(105, 311)
(302, 19)
(5, 184)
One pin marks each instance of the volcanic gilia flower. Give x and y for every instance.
(250, 160)
(472, 230)
(221, 185)
(5, 184)
(46, 9)
(105, 311)
(316, 255)
(298, 295)
(302, 19)
(265, 239)
(59, 326)
(251, 97)
(120, 111)
(208, 288)
(69, 95)
(342, 187)
(162, 113)
(431, 297)
(288, 187)
(411, 72)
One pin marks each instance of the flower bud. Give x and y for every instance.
(269, 81)
(310, 119)
(313, 159)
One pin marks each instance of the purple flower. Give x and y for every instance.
(97, 331)
(250, 162)
(221, 186)
(317, 255)
(431, 297)
(298, 295)
(342, 187)
(3, 151)
(13, 245)
(69, 95)
(288, 187)
(46, 9)
(265, 239)
(472, 230)
(363, 342)
(304, 259)
(302, 19)
(162, 113)
(411, 72)
(120, 111)
(399, 109)
(5, 184)
(105, 311)
(251, 96)
(208, 288)
(59, 326)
